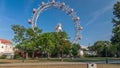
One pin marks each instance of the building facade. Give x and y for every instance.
(6, 48)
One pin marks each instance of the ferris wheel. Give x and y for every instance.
(62, 6)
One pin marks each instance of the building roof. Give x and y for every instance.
(4, 41)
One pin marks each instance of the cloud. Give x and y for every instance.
(98, 13)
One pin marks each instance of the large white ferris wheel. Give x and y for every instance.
(64, 8)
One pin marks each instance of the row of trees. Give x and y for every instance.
(100, 47)
(50, 44)
(113, 46)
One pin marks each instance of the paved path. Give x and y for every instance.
(44, 63)
(103, 62)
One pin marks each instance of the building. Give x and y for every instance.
(86, 51)
(6, 48)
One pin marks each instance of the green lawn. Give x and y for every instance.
(90, 59)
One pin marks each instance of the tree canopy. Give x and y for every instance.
(116, 29)
(49, 44)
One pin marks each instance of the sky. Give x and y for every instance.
(95, 18)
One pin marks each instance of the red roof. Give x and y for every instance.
(5, 41)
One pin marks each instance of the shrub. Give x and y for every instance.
(3, 57)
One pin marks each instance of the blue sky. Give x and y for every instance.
(95, 18)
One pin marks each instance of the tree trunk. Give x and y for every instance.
(33, 54)
(48, 55)
(59, 55)
(26, 55)
(62, 56)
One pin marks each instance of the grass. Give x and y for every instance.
(90, 59)
(6, 61)
(3, 61)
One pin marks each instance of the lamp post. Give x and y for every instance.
(23, 58)
(106, 53)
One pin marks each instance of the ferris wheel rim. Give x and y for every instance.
(64, 8)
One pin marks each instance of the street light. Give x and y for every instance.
(106, 53)
(23, 56)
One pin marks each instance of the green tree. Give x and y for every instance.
(47, 44)
(20, 37)
(116, 29)
(100, 47)
(19, 33)
(60, 43)
(61, 37)
(75, 49)
(26, 39)
(32, 41)
(66, 48)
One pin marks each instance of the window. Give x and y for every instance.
(2, 46)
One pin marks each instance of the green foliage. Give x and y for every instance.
(75, 49)
(19, 32)
(16, 55)
(3, 57)
(100, 47)
(50, 43)
(116, 29)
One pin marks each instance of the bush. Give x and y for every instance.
(3, 57)
(17, 56)
(88, 55)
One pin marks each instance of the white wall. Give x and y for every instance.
(6, 48)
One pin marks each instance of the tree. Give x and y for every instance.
(26, 39)
(61, 37)
(61, 44)
(19, 32)
(47, 44)
(66, 48)
(100, 47)
(75, 49)
(116, 29)
(19, 37)
(32, 40)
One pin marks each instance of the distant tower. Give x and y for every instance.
(58, 28)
